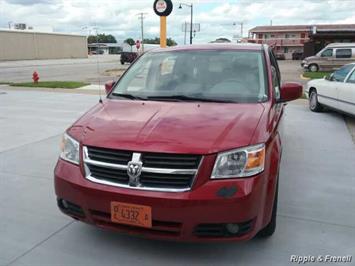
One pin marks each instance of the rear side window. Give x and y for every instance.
(351, 79)
(342, 72)
(343, 53)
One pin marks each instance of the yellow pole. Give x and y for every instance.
(163, 32)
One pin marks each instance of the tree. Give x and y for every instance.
(130, 42)
(221, 40)
(102, 38)
(156, 40)
(170, 42)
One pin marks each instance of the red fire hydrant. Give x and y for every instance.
(35, 77)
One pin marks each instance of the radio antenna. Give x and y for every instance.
(97, 63)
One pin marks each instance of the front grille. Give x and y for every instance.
(152, 160)
(109, 174)
(220, 230)
(166, 180)
(160, 171)
(176, 161)
(109, 155)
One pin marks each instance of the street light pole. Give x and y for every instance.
(191, 6)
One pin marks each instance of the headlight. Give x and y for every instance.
(69, 149)
(242, 162)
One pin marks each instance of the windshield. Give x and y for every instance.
(213, 75)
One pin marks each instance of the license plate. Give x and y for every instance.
(131, 214)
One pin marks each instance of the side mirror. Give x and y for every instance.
(109, 86)
(331, 77)
(290, 91)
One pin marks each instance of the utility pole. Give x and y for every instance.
(191, 25)
(185, 30)
(141, 17)
(191, 6)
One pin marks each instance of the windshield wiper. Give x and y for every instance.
(187, 98)
(128, 96)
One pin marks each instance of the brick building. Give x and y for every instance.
(293, 38)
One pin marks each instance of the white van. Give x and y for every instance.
(330, 58)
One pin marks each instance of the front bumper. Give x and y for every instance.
(176, 216)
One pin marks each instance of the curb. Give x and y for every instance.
(303, 77)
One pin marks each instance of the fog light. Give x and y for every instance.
(232, 228)
(65, 204)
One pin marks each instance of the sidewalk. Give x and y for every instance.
(90, 89)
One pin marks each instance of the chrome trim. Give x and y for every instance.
(104, 182)
(88, 176)
(144, 169)
(169, 171)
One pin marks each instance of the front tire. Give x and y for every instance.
(314, 105)
(313, 68)
(122, 62)
(270, 228)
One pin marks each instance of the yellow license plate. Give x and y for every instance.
(131, 214)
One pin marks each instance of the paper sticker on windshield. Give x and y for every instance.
(167, 66)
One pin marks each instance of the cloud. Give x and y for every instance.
(217, 19)
(29, 2)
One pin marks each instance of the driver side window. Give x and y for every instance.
(327, 53)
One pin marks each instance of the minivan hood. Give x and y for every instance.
(177, 127)
(311, 57)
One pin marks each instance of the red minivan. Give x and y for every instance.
(186, 146)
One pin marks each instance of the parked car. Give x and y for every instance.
(332, 57)
(128, 57)
(97, 52)
(280, 56)
(297, 56)
(336, 91)
(186, 146)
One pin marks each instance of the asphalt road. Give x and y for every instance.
(61, 69)
(316, 202)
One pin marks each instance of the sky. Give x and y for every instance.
(217, 18)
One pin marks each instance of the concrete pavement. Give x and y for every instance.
(316, 202)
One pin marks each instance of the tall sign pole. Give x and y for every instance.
(163, 31)
(163, 8)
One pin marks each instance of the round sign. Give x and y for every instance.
(163, 7)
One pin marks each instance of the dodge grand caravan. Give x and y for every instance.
(186, 146)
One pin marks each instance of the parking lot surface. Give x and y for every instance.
(316, 201)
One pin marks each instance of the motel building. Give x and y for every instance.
(306, 39)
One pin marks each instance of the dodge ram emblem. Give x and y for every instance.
(134, 170)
